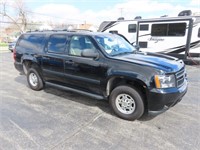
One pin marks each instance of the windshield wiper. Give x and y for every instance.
(123, 53)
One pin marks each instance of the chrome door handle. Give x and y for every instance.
(69, 62)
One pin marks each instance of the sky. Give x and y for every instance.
(97, 11)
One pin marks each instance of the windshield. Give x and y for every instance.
(114, 45)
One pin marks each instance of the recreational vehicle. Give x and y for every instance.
(176, 36)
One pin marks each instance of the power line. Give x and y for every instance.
(27, 11)
(7, 22)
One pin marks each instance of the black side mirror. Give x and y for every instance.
(90, 53)
(137, 47)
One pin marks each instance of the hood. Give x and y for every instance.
(159, 61)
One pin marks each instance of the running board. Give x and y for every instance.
(75, 90)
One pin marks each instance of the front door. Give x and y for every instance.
(82, 72)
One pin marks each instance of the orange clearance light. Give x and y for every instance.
(157, 81)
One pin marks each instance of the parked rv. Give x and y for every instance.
(177, 36)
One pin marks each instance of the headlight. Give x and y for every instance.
(164, 81)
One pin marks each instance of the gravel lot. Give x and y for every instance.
(54, 119)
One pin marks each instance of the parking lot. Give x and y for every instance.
(55, 119)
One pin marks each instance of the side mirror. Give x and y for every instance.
(90, 53)
(137, 47)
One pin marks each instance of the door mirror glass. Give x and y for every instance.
(137, 47)
(90, 53)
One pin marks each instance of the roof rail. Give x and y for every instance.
(58, 30)
(79, 30)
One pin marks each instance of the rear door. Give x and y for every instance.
(53, 59)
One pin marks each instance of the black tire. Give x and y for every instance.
(34, 79)
(133, 108)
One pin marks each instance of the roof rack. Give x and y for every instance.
(58, 30)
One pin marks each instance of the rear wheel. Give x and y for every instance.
(127, 102)
(34, 80)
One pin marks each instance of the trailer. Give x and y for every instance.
(175, 36)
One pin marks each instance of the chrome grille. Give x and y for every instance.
(180, 77)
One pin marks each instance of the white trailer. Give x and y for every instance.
(177, 36)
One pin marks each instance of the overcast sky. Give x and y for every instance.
(96, 11)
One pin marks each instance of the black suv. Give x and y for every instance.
(102, 66)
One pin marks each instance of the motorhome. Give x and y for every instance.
(176, 36)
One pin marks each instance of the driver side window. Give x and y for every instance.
(78, 44)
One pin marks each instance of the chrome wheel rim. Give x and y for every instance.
(33, 79)
(125, 103)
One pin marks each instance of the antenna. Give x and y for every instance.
(121, 11)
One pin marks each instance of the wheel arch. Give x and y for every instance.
(29, 58)
(29, 61)
(115, 81)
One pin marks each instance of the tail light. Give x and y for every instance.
(14, 54)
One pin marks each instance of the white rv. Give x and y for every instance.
(177, 36)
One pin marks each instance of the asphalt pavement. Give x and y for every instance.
(56, 119)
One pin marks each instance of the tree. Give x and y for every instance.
(19, 6)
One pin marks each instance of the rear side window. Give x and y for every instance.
(132, 28)
(170, 29)
(57, 43)
(199, 33)
(32, 41)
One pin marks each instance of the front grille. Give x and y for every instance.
(180, 77)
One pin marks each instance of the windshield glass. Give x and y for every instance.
(114, 45)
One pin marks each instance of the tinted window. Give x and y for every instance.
(132, 28)
(199, 33)
(79, 43)
(57, 43)
(144, 27)
(114, 31)
(176, 29)
(159, 30)
(143, 44)
(32, 41)
(172, 29)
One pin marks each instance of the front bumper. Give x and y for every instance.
(160, 100)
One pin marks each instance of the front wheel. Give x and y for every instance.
(34, 80)
(127, 102)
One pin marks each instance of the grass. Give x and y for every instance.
(3, 44)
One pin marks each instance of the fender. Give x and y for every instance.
(130, 75)
(31, 58)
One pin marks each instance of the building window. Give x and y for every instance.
(132, 28)
(171, 29)
(57, 43)
(144, 27)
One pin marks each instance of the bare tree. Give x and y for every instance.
(19, 6)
